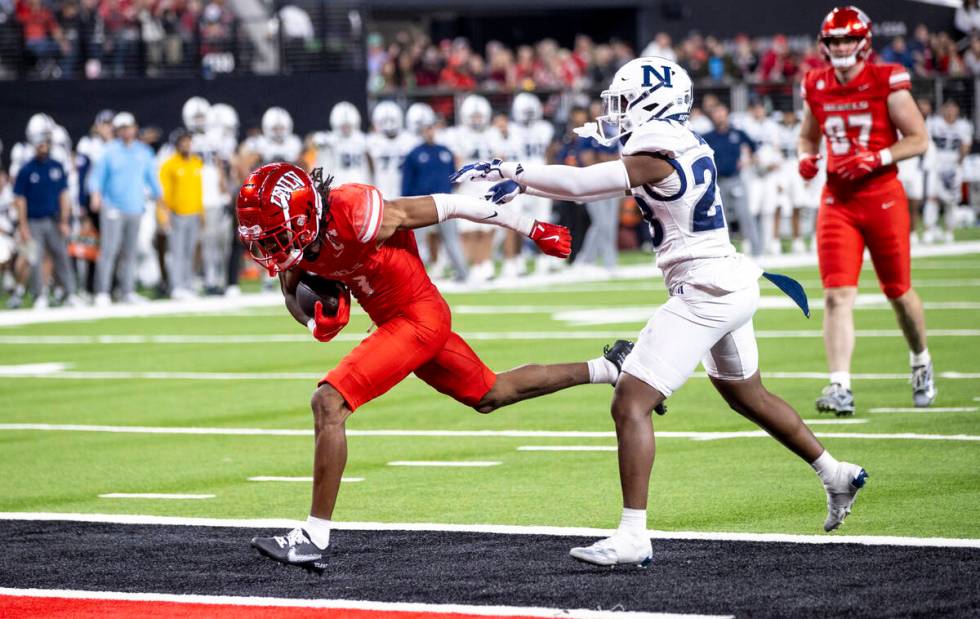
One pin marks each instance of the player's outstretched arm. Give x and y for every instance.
(411, 213)
(600, 180)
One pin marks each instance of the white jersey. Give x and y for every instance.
(535, 139)
(344, 157)
(289, 148)
(685, 212)
(22, 152)
(948, 137)
(387, 155)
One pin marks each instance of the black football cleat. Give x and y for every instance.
(617, 354)
(293, 549)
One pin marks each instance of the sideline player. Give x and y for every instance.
(953, 137)
(352, 235)
(714, 290)
(860, 106)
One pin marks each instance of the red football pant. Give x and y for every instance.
(878, 219)
(420, 340)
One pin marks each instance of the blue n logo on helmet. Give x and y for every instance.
(650, 73)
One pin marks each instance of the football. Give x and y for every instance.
(312, 289)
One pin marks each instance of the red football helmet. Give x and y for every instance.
(846, 22)
(279, 213)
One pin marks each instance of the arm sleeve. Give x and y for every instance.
(899, 79)
(599, 179)
(569, 198)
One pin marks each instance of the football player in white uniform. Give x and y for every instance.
(952, 137)
(762, 178)
(536, 135)
(277, 142)
(797, 198)
(714, 290)
(343, 149)
(387, 146)
(474, 139)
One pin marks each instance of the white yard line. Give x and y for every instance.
(697, 436)
(567, 448)
(444, 463)
(155, 495)
(346, 480)
(934, 409)
(342, 605)
(74, 340)
(277, 523)
(58, 371)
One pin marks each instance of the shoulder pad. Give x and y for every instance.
(661, 136)
(363, 208)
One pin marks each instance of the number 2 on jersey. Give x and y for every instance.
(708, 212)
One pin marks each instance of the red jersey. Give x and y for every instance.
(382, 276)
(856, 111)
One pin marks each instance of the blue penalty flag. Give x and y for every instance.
(793, 289)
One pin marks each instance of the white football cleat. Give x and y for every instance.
(620, 549)
(841, 493)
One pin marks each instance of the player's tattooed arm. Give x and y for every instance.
(288, 281)
(905, 115)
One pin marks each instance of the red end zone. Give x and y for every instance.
(111, 605)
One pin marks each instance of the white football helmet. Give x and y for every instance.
(387, 118)
(475, 112)
(526, 109)
(419, 116)
(224, 117)
(195, 114)
(344, 118)
(277, 124)
(644, 89)
(40, 128)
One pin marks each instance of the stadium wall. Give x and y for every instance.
(307, 96)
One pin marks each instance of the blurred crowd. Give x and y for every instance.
(126, 213)
(411, 60)
(113, 38)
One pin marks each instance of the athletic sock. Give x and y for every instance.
(633, 522)
(922, 358)
(841, 378)
(318, 530)
(602, 371)
(826, 467)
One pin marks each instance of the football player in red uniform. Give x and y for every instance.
(292, 225)
(860, 107)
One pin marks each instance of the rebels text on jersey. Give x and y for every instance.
(382, 276)
(855, 112)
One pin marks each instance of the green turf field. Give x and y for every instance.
(918, 487)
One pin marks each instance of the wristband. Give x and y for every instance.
(885, 154)
(311, 325)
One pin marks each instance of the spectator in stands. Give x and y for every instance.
(778, 64)
(898, 52)
(660, 46)
(122, 34)
(603, 67)
(43, 37)
(971, 59)
(967, 18)
(44, 210)
(92, 37)
(744, 57)
(181, 212)
(73, 36)
(719, 63)
(948, 61)
(151, 36)
(118, 185)
(732, 148)
(921, 51)
(217, 27)
(526, 68)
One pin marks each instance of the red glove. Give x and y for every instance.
(325, 328)
(861, 163)
(552, 239)
(808, 166)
